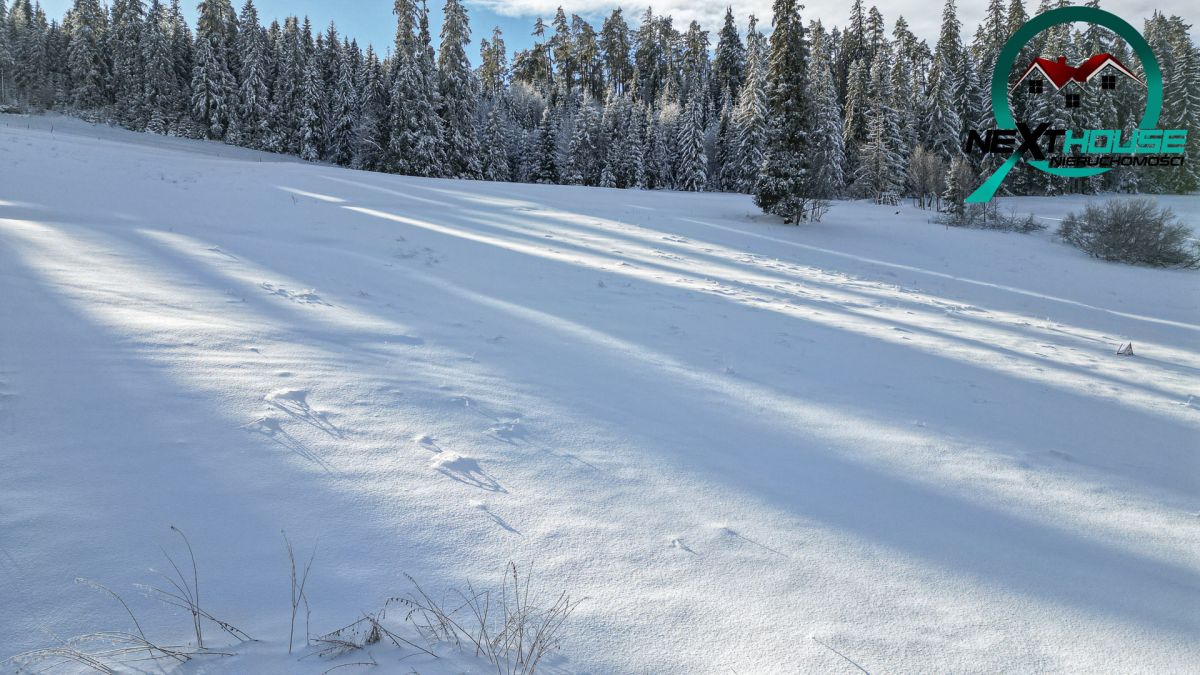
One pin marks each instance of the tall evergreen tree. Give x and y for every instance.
(827, 158)
(459, 93)
(545, 168)
(729, 66)
(254, 104)
(162, 96)
(750, 115)
(496, 163)
(783, 181)
(691, 172)
(128, 67)
(214, 89)
(86, 55)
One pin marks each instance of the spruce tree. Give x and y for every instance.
(253, 118)
(214, 89)
(729, 66)
(414, 127)
(827, 157)
(545, 167)
(88, 69)
(6, 55)
(750, 116)
(783, 182)
(162, 97)
(128, 67)
(459, 94)
(343, 109)
(691, 164)
(496, 163)
(584, 161)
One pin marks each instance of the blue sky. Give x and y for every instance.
(372, 21)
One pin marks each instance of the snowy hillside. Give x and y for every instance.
(747, 445)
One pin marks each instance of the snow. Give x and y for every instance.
(751, 447)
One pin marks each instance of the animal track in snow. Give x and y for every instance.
(294, 402)
(509, 431)
(306, 297)
(465, 470)
(272, 427)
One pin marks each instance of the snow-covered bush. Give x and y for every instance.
(988, 217)
(1135, 231)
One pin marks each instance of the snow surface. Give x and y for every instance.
(746, 444)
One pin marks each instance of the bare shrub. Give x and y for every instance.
(299, 582)
(988, 217)
(509, 629)
(364, 632)
(1135, 231)
(107, 651)
(186, 596)
(926, 178)
(111, 651)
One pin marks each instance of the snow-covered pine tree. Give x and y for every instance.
(783, 183)
(414, 127)
(584, 158)
(857, 113)
(6, 55)
(1168, 37)
(370, 131)
(312, 100)
(750, 115)
(721, 173)
(943, 122)
(343, 110)
(729, 66)
(691, 164)
(827, 155)
(459, 94)
(161, 97)
(497, 165)
(312, 137)
(254, 104)
(880, 165)
(89, 73)
(545, 168)
(852, 46)
(183, 53)
(214, 89)
(128, 67)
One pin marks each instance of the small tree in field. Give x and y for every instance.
(926, 177)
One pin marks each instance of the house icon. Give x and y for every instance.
(1069, 79)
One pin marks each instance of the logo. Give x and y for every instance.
(1074, 153)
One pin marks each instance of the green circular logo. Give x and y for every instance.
(1008, 56)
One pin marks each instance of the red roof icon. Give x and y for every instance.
(1061, 74)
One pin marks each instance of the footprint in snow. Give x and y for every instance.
(294, 402)
(272, 428)
(428, 442)
(306, 297)
(465, 470)
(678, 543)
(509, 431)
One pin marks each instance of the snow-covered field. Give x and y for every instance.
(748, 445)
